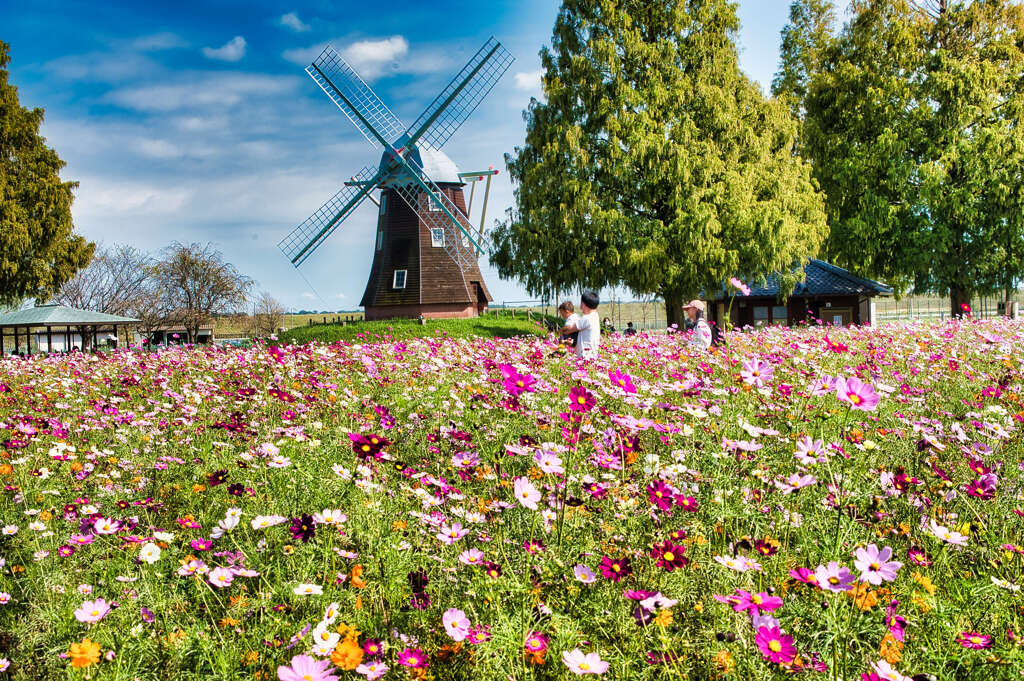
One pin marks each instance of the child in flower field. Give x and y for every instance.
(567, 312)
(587, 326)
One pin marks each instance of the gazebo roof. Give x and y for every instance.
(59, 315)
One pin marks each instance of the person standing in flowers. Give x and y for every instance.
(701, 336)
(587, 326)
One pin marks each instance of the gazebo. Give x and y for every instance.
(73, 327)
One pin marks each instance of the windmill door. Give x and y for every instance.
(480, 300)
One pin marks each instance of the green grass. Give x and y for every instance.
(488, 326)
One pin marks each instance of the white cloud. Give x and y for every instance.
(529, 81)
(340, 295)
(374, 58)
(158, 149)
(158, 41)
(233, 50)
(306, 295)
(292, 21)
(202, 91)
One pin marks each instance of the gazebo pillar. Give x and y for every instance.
(17, 344)
(49, 339)
(94, 338)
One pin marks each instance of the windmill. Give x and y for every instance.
(425, 256)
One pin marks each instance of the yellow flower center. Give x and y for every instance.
(584, 666)
(756, 600)
(581, 399)
(876, 566)
(775, 646)
(855, 398)
(669, 556)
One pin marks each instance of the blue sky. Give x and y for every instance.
(194, 121)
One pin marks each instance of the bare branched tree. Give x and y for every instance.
(267, 315)
(110, 283)
(114, 282)
(200, 284)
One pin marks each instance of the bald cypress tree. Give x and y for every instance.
(653, 162)
(39, 250)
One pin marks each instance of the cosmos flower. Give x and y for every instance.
(91, 612)
(456, 624)
(756, 372)
(306, 668)
(874, 564)
(623, 381)
(221, 577)
(84, 654)
(834, 577)
(947, 535)
(580, 663)
(412, 657)
(669, 556)
(615, 569)
(536, 643)
(774, 645)
(471, 557)
(303, 528)
(149, 553)
(974, 640)
(526, 494)
(581, 399)
(856, 393)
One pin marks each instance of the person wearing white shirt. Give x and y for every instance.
(701, 337)
(588, 327)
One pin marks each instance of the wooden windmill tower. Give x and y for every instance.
(426, 248)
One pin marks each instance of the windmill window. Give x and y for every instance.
(399, 279)
(437, 237)
(380, 238)
(383, 203)
(433, 204)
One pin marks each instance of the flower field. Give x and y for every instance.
(843, 505)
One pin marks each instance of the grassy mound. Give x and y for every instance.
(488, 326)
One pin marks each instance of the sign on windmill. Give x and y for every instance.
(426, 249)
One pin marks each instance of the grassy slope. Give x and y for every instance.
(488, 326)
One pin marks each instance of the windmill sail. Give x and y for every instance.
(355, 98)
(305, 238)
(457, 102)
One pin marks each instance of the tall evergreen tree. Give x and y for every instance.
(654, 162)
(38, 248)
(913, 125)
(804, 41)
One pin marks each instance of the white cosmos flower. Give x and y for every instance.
(149, 553)
(308, 590)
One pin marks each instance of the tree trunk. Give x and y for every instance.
(674, 309)
(958, 298)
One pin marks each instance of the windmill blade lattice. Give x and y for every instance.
(463, 94)
(305, 238)
(344, 86)
(428, 206)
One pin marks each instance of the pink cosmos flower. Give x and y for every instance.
(580, 663)
(306, 668)
(775, 646)
(622, 380)
(756, 372)
(516, 383)
(536, 642)
(221, 577)
(92, 611)
(526, 493)
(874, 564)
(451, 534)
(739, 286)
(856, 393)
(471, 557)
(886, 672)
(823, 385)
(584, 574)
(754, 603)
(456, 624)
(834, 577)
(106, 526)
(372, 670)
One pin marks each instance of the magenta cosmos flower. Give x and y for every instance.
(622, 380)
(516, 383)
(874, 564)
(580, 399)
(754, 603)
(615, 569)
(775, 646)
(856, 393)
(580, 663)
(306, 668)
(412, 657)
(974, 640)
(536, 643)
(669, 556)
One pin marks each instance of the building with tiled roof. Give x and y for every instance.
(827, 292)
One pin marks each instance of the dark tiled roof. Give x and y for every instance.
(820, 279)
(59, 315)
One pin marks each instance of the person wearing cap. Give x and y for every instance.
(701, 336)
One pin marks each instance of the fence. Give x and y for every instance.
(648, 315)
(934, 308)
